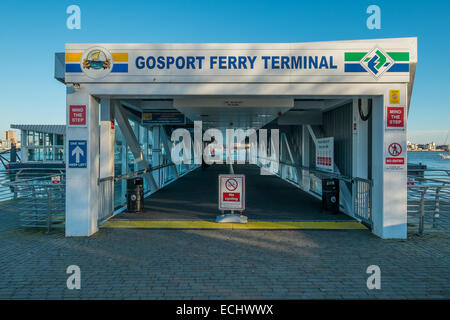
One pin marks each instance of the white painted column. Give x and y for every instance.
(156, 153)
(390, 189)
(306, 181)
(107, 138)
(82, 183)
(360, 140)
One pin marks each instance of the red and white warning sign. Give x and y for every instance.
(325, 154)
(231, 192)
(395, 118)
(56, 179)
(77, 115)
(395, 156)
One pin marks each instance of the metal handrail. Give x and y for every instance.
(429, 201)
(134, 173)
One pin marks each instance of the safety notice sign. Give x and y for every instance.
(395, 118)
(77, 115)
(232, 192)
(77, 154)
(325, 154)
(394, 156)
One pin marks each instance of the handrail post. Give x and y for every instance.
(436, 209)
(49, 214)
(422, 212)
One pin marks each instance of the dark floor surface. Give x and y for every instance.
(194, 197)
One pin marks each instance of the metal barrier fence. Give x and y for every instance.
(311, 180)
(166, 176)
(362, 199)
(429, 200)
(38, 195)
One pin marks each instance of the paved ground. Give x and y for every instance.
(194, 197)
(229, 264)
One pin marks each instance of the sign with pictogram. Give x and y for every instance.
(232, 192)
(56, 179)
(325, 154)
(395, 118)
(394, 156)
(77, 154)
(394, 96)
(77, 116)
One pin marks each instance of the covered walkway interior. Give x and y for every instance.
(268, 198)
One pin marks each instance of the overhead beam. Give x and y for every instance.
(133, 143)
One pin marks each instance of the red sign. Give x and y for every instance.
(231, 192)
(324, 161)
(395, 149)
(231, 184)
(56, 179)
(77, 115)
(395, 161)
(395, 117)
(393, 156)
(230, 196)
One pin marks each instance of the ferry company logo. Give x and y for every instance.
(376, 62)
(96, 62)
(96, 59)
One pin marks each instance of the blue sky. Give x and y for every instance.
(32, 31)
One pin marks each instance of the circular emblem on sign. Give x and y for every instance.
(395, 149)
(96, 62)
(231, 184)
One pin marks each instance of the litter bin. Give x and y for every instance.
(135, 194)
(330, 195)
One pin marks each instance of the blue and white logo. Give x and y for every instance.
(77, 154)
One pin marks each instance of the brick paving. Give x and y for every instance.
(220, 264)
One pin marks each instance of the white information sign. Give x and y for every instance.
(325, 154)
(394, 155)
(231, 192)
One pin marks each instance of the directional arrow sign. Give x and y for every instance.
(77, 154)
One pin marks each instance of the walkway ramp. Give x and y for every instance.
(272, 203)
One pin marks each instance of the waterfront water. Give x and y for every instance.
(431, 159)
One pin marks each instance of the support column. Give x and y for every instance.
(107, 138)
(306, 181)
(389, 196)
(82, 182)
(360, 140)
(156, 153)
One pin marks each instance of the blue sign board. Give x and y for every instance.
(77, 154)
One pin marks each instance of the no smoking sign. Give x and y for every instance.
(231, 192)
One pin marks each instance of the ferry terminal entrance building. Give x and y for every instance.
(357, 92)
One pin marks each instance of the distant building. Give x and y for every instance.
(10, 138)
(430, 146)
(444, 147)
(42, 143)
(411, 146)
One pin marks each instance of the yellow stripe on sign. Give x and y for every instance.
(274, 225)
(120, 56)
(73, 56)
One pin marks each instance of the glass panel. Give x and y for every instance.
(29, 139)
(59, 155)
(49, 139)
(39, 155)
(36, 138)
(30, 155)
(119, 167)
(59, 140)
(49, 154)
(41, 139)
